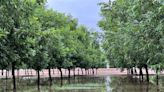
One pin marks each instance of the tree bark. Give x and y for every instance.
(131, 71)
(61, 74)
(2, 72)
(6, 75)
(13, 75)
(127, 71)
(147, 73)
(50, 78)
(38, 82)
(69, 73)
(157, 77)
(93, 72)
(141, 74)
(61, 77)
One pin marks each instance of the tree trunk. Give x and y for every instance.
(61, 77)
(6, 75)
(132, 71)
(69, 73)
(128, 71)
(93, 72)
(141, 74)
(147, 73)
(38, 82)
(13, 75)
(157, 77)
(61, 74)
(2, 72)
(50, 78)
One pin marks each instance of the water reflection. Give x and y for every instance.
(108, 88)
(85, 84)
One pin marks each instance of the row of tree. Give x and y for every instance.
(134, 34)
(33, 37)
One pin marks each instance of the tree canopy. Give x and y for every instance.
(34, 37)
(134, 33)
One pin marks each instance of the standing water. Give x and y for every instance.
(108, 88)
(85, 84)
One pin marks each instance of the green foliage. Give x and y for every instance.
(133, 33)
(32, 36)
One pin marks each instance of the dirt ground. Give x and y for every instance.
(56, 73)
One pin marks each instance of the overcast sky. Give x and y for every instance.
(86, 11)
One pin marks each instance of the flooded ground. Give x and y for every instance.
(85, 84)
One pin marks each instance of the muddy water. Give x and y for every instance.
(85, 84)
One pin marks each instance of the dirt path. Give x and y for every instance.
(56, 73)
